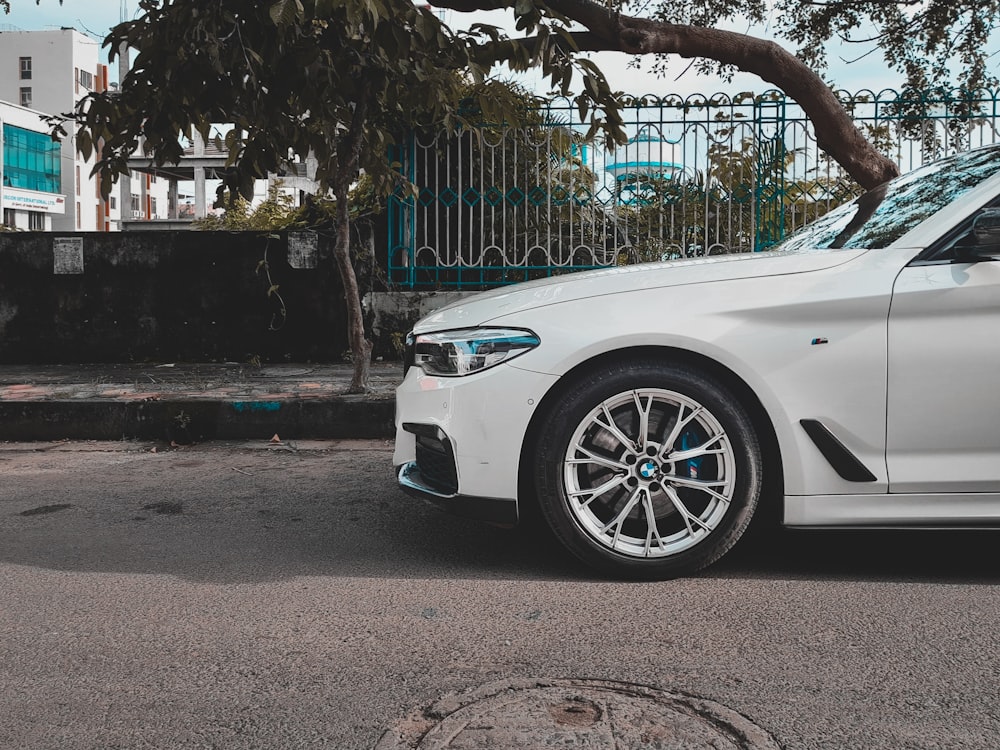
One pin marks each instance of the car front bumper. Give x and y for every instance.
(458, 440)
(494, 510)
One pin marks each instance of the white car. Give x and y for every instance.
(852, 376)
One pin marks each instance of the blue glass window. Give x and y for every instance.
(31, 161)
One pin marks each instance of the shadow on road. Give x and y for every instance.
(212, 515)
(944, 556)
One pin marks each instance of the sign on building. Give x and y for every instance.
(32, 200)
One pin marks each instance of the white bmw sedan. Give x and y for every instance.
(851, 376)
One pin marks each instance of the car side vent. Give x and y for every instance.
(845, 463)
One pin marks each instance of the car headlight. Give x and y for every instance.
(468, 350)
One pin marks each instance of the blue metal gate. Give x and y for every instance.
(699, 175)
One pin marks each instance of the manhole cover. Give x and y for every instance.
(574, 713)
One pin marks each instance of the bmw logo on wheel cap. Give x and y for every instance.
(647, 469)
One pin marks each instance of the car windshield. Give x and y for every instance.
(884, 214)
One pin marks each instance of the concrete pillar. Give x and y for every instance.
(200, 207)
(172, 208)
(125, 182)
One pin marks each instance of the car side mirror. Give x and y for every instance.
(983, 240)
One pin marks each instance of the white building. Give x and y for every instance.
(50, 71)
(30, 171)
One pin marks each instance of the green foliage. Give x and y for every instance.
(215, 59)
(931, 43)
(698, 204)
(274, 213)
(340, 81)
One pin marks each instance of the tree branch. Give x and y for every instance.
(583, 41)
(835, 132)
(468, 6)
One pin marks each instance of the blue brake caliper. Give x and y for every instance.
(692, 464)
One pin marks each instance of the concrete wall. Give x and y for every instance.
(391, 315)
(168, 296)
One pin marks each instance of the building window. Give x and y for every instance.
(135, 206)
(8, 218)
(31, 160)
(77, 179)
(78, 220)
(26, 96)
(36, 220)
(87, 80)
(152, 208)
(25, 68)
(113, 202)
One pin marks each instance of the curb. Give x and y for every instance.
(185, 420)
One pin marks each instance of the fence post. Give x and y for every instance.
(769, 191)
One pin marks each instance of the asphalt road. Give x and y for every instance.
(255, 596)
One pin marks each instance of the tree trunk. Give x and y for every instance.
(361, 347)
(835, 131)
(349, 157)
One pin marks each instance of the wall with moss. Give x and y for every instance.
(169, 296)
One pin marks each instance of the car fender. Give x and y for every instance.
(798, 358)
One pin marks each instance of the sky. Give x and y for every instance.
(95, 17)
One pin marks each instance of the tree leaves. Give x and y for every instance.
(282, 79)
(286, 12)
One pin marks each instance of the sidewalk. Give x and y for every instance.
(186, 403)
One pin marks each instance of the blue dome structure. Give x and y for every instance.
(642, 162)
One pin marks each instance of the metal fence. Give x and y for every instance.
(699, 175)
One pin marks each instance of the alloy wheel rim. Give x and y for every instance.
(649, 473)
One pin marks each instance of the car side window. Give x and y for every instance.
(975, 240)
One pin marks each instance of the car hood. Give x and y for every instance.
(485, 306)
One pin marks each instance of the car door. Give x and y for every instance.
(943, 401)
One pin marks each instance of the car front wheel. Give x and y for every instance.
(648, 470)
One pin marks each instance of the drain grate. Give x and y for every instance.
(582, 714)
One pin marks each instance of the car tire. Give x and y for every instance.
(646, 469)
